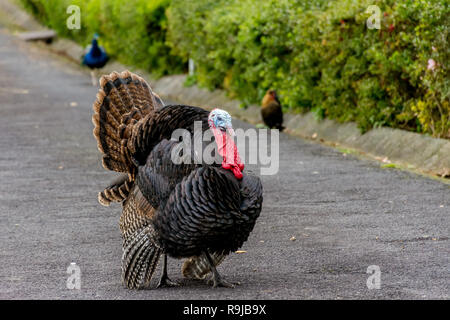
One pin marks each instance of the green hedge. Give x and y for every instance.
(320, 56)
(132, 31)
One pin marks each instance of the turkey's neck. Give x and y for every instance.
(228, 150)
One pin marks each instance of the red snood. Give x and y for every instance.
(228, 150)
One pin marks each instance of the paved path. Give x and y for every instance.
(345, 213)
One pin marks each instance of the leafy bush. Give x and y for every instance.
(321, 56)
(132, 31)
(318, 54)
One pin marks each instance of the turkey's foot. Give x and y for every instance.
(216, 279)
(167, 282)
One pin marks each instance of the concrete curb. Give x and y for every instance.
(410, 150)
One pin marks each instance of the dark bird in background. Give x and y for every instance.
(192, 210)
(95, 57)
(271, 110)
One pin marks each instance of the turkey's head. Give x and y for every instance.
(220, 124)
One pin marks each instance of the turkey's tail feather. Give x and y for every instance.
(123, 99)
(140, 258)
(117, 191)
(198, 267)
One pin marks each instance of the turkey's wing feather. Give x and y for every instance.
(141, 251)
(136, 213)
(140, 258)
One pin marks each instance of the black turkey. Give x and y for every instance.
(191, 210)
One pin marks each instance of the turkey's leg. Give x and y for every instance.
(164, 281)
(216, 278)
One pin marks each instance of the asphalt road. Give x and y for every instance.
(345, 213)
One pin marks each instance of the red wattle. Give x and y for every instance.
(228, 151)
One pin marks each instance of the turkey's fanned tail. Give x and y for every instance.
(123, 99)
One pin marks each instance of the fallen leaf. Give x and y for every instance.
(293, 238)
(14, 90)
(314, 135)
(241, 251)
(73, 104)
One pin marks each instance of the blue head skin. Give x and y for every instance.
(221, 120)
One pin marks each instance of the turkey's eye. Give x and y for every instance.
(219, 119)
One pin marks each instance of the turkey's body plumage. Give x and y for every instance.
(195, 211)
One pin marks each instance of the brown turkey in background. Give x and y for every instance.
(271, 111)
